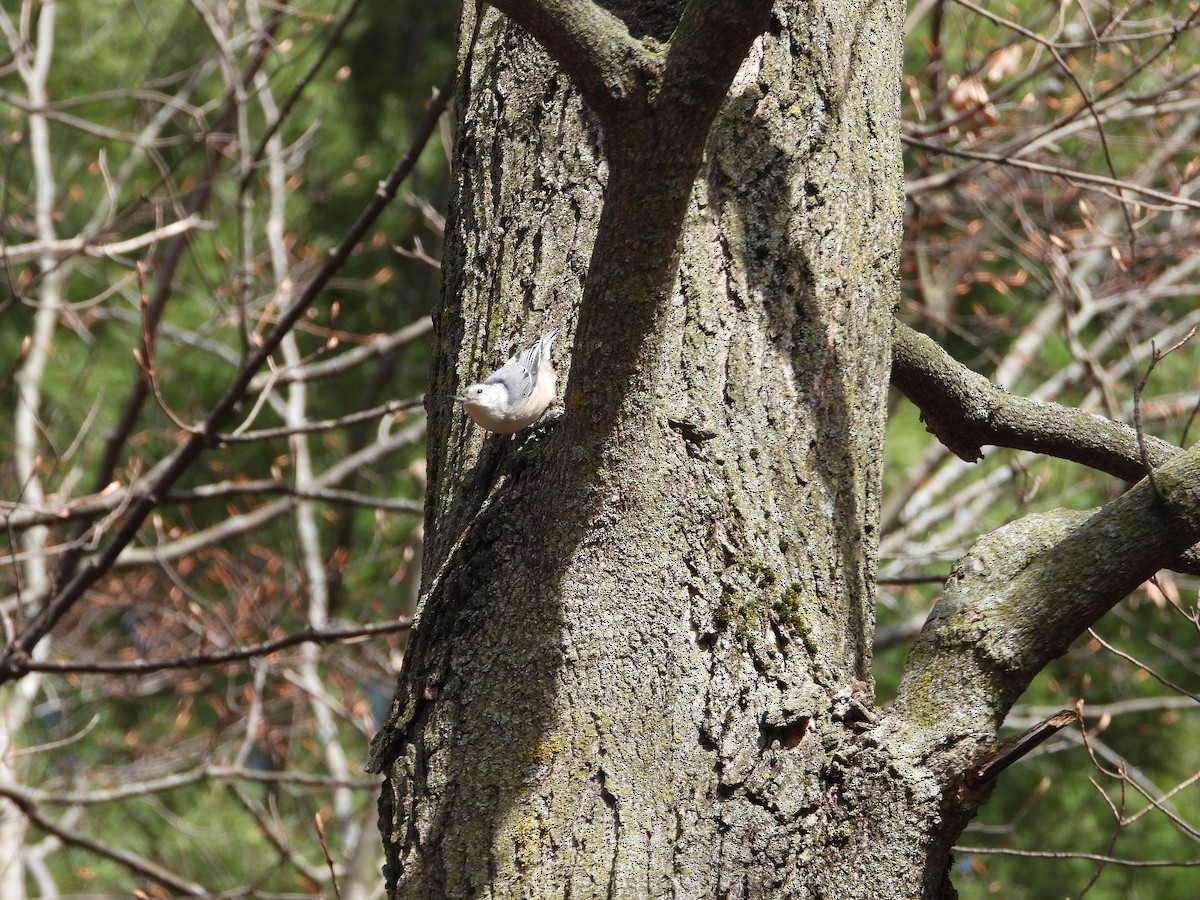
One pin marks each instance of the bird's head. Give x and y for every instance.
(484, 397)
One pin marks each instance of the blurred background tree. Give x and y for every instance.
(175, 174)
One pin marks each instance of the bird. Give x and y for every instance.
(517, 394)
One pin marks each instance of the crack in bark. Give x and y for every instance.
(610, 801)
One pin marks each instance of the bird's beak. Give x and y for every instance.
(459, 398)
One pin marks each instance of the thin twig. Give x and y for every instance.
(205, 660)
(1132, 660)
(1087, 179)
(144, 356)
(1096, 857)
(1155, 356)
(383, 409)
(320, 822)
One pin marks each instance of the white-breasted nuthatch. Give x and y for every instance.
(517, 394)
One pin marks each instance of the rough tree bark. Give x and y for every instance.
(642, 665)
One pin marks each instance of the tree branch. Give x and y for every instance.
(1023, 593)
(125, 790)
(707, 48)
(26, 516)
(138, 864)
(594, 46)
(327, 368)
(309, 635)
(966, 411)
(1073, 176)
(11, 255)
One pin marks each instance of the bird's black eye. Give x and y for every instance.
(479, 390)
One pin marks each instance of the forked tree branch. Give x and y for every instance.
(699, 68)
(595, 47)
(613, 70)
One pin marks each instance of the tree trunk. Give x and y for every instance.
(642, 666)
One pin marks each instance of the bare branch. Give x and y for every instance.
(1093, 857)
(271, 828)
(138, 140)
(177, 780)
(1088, 100)
(965, 411)
(372, 349)
(33, 64)
(1149, 670)
(324, 495)
(1074, 176)
(60, 249)
(1021, 715)
(138, 864)
(207, 660)
(391, 408)
(24, 516)
(320, 823)
(1054, 130)
(219, 138)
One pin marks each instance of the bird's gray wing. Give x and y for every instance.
(516, 378)
(520, 373)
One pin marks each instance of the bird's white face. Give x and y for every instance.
(485, 396)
